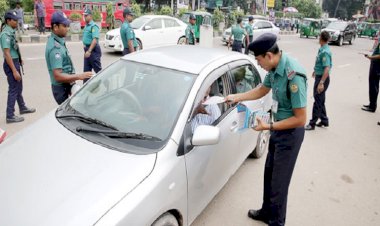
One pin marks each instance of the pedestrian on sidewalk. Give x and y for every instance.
(92, 51)
(40, 11)
(20, 13)
(11, 66)
(321, 74)
(58, 60)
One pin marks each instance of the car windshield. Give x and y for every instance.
(135, 98)
(337, 26)
(139, 22)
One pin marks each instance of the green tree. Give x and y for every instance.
(3, 7)
(309, 8)
(166, 10)
(217, 17)
(136, 9)
(346, 8)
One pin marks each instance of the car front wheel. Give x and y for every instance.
(261, 145)
(166, 219)
(352, 40)
(340, 41)
(182, 40)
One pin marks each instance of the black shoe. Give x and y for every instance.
(368, 109)
(320, 124)
(257, 215)
(15, 119)
(27, 110)
(378, 123)
(309, 127)
(366, 106)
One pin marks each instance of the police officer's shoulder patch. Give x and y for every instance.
(324, 59)
(294, 88)
(57, 55)
(290, 73)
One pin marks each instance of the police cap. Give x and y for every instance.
(192, 17)
(250, 18)
(11, 14)
(87, 11)
(128, 11)
(263, 43)
(59, 17)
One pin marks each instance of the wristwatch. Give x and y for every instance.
(321, 82)
(271, 126)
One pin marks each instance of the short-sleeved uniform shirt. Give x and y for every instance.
(8, 41)
(57, 57)
(249, 29)
(288, 78)
(90, 31)
(190, 33)
(238, 32)
(126, 34)
(324, 59)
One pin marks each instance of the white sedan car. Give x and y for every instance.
(124, 150)
(259, 27)
(151, 31)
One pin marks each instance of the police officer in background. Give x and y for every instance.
(249, 30)
(374, 79)
(92, 52)
(127, 34)
(321, 74)
(11, 66)
(237, 32)
(190, 31)
(60, 67)
(287, 80)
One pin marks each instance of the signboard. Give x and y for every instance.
(270, 3)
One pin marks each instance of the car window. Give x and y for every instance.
(135, 97)
(245, 77)
(266, 25)
(259, 25)
(155, 24)
(171, 23)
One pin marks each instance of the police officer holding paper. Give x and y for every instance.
(287, 80)
(13, 68)
(92, 52)
(60, 67)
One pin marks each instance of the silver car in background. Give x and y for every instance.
(121, 151)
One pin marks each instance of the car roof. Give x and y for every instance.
(199, 13)
(186, 58)
(158, 16)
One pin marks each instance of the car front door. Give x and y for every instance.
(210, 167)
(152, 34)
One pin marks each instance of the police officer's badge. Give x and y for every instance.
(57, 56)
(293, 88)
(7, 39)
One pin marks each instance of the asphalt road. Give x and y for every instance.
(336, 180)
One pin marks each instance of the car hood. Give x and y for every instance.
(332, 30)
(50, 176)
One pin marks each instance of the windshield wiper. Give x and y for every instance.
(118, 134)
(87, 119)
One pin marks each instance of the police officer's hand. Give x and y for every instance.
(231, 99)
(320, 88)
(87, 54)
(85, 75)
(261, 125)
(201, 109)
(17, 76)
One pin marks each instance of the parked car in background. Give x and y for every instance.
(368, 29)
(259, 27)
(151, 31)
(123, 151)
(341, 31)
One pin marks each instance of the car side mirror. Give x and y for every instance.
(205, 135)
(147, 27)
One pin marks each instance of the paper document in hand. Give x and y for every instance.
(247, 117)
(214, 100)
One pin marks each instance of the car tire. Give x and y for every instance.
(118, 23)
(351, 40)
(182, 40)
(261, 145)
(340, 41)
(166, 219)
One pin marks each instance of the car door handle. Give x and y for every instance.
(234, 126)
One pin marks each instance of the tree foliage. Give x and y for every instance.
(3, 7)
(309, 8)
(346, 8)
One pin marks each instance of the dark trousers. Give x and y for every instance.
(41, 24)
(284, 146)
(14, 89)
(374, 80)
(237, 46)
(126, 51)
(61, 93)
(319, 108)
(92, 62)
(246, 50)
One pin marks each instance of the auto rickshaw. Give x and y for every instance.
(310, 28)
(202, 18)
(370, 30)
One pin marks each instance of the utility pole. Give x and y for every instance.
(336, 9)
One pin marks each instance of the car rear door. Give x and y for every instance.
(172, 31)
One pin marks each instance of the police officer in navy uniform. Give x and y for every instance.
(127, 34)
(374, 79)
(11, 66)
(322, 69)
(287, 80)
(60, 67)
(92, 52)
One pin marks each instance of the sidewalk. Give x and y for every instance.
(33, 36)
